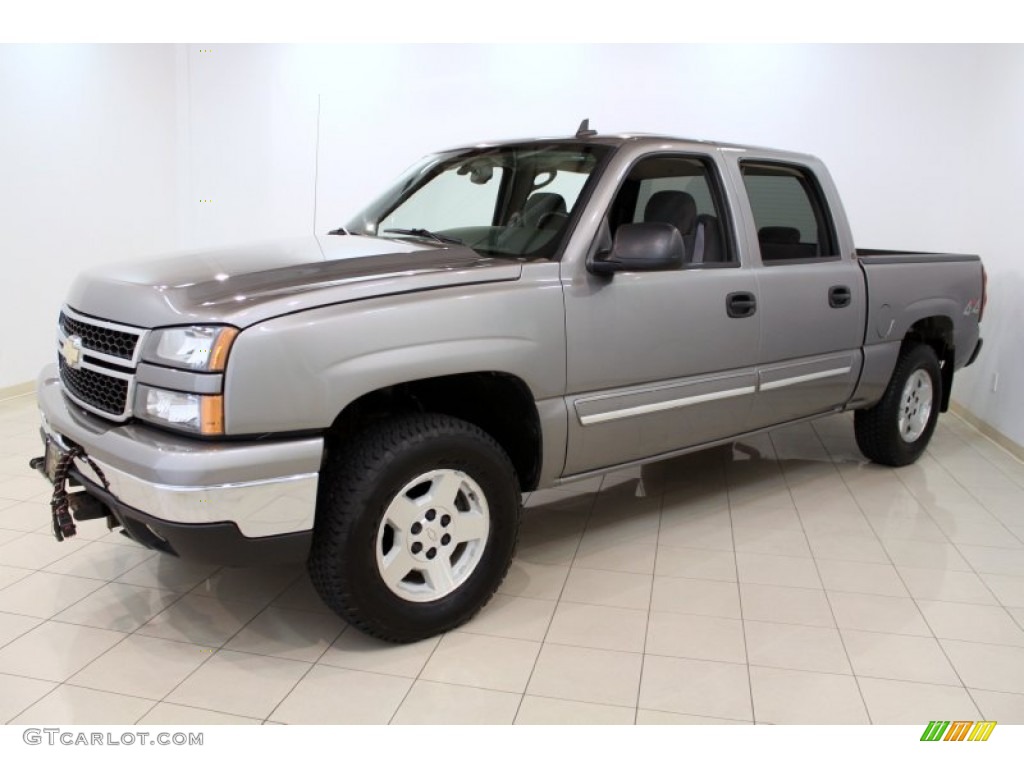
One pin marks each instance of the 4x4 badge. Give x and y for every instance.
(71, 349)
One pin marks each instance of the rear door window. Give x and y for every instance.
(790, 214)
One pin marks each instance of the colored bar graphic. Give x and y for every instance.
(982, 730)
(958, 730)
(935, 730)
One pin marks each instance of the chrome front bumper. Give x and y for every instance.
(264, 488)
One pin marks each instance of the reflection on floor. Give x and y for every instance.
(779, 580)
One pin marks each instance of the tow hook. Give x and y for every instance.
(85, 506)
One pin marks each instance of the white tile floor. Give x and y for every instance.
(781, 580)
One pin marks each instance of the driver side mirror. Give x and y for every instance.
(643, 247)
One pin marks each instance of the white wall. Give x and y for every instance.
(883, 117)
(998, 198)
(87, 175)
(920, 140)
(879, 115)
(247, 144)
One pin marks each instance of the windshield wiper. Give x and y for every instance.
(427, 234)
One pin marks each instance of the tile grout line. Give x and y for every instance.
(133, 696)
(828, 599)
(1003, 451)
(964, 444)
(135, 633)
(559, 600)
(978, 502)
(219, 648)
(650, 605)
(52, 619)
(348, 627)
(21, 635)
(68, 677)
(17, 581)
(938, 640)
(739, 596)
(543, 641)
(426, 662)
(979, 574)
(900, 575)
(891, 563)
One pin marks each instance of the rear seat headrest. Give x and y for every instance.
(780, 235)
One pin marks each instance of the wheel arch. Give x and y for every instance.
(500, 403)
(936, 331)
(879, 430)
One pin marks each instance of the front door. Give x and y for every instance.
(659, 361)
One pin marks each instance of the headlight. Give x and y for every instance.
(201, 414)
(197, 347)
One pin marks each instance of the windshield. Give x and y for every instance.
(511, 201)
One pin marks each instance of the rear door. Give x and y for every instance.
(810, 294)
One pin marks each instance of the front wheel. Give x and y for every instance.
(897, 429)
(417, 522)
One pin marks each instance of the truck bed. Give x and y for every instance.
(905, 286)
(879, 256)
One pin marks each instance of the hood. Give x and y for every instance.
(246, 284)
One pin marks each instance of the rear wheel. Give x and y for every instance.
(417, 522)
(897, 429)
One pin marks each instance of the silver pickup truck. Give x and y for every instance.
(506, 317)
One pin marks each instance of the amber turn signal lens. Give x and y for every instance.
(221, 347)
(211, 415)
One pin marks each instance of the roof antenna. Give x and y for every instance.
(584, 129)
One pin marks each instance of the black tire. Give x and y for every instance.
(362, 477)
(877, 428)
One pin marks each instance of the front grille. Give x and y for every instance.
(105, 340)
(104, 393)
(103, 376)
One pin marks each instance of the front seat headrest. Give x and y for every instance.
(539, 205)
(673, 207)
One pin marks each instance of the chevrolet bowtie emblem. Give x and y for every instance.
(71, 350)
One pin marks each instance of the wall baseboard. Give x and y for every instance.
(993, 434)
(18, 390)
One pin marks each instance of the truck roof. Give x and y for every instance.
(620, 139)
